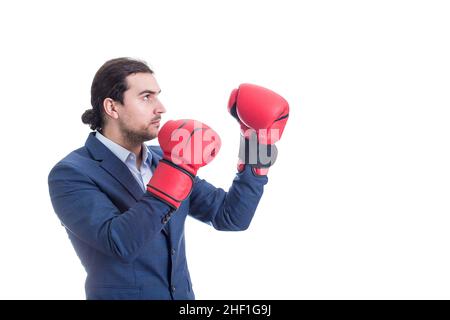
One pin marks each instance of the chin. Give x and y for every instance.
(153, 134)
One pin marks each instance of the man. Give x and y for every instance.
(124, 204)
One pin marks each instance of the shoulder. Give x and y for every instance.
(77, 162)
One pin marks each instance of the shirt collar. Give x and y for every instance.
(119, 151)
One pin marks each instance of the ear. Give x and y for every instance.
(110, 108)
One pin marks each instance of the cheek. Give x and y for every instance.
(136, 111)
(148, 112)
(143, 115)
(139, 113)
(129, 116)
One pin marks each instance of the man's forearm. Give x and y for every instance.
(241, 201)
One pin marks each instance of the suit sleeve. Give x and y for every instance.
(228, 211)
(89, 214)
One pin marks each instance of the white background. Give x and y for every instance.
(357, 206)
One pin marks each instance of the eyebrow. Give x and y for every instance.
(150, 92)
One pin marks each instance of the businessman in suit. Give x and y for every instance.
(124, 204)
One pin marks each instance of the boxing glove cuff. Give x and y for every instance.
(170, 183)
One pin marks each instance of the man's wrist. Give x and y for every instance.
(255, 154)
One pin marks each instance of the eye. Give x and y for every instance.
(147, 97)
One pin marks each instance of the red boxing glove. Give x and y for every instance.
(262, 115)
(187, 145)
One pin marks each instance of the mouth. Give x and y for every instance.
(155, 123)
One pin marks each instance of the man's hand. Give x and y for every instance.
(262, 115)
(187, 145)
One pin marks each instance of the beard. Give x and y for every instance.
(136, 137)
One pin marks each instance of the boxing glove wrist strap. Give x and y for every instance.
(171, 183)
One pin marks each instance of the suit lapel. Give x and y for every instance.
(111, 164)
(122, 174)
(117, 169)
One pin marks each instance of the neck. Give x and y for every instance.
(117, 137)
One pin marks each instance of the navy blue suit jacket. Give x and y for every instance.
(128, 242)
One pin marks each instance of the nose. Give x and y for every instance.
(160, 108)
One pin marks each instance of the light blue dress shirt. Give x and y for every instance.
(142, 174)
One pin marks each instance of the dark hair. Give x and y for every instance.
(110, 82)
